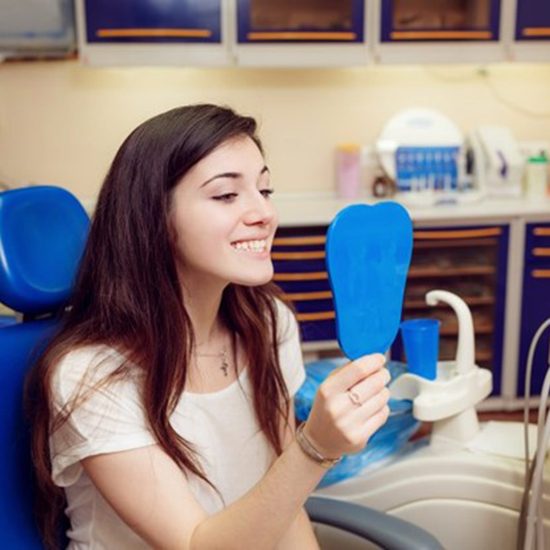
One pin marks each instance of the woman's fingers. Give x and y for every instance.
(374, 423)
(357, 432)
(349, 407)
(371, 406)
(366, 388)
(352, 373)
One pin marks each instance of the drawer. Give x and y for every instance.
(298, 256)
(537, 243)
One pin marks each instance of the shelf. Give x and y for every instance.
(470, 300)
(452, 330)
(416, 272)
(462, 243)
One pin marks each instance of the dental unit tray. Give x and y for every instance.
(368, 252)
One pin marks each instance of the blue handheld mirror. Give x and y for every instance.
(368, 252)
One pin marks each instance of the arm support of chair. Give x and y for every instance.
(387, 531)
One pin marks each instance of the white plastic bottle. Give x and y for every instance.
(536, 177)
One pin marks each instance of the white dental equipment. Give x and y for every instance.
(423, 152)
(464, 485)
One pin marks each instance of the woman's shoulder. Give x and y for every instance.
(84, 366)
(94, 356)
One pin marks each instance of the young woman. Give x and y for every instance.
(162, 410)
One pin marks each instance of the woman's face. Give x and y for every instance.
(224, 219)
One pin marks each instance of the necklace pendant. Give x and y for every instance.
(225, 365)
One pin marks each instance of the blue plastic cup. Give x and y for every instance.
(421, 341)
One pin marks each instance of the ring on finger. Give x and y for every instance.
(354, 397)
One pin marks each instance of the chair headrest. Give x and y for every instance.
(43, 232)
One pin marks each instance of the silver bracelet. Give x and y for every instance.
(311, 452)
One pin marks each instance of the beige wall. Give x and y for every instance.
(60, 122)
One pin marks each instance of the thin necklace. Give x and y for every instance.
(221, 355)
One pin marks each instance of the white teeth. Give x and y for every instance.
(251, 246)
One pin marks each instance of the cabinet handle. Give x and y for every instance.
(541, 251)
(313, 255)
(156, 33)
(297, 241)
(462, 234)
(302, 296)
(313, 276)
(282, 35)
(541, 231)
(418, 235)
(541, 273)
(317, 316)
(443, 35)
(536, 31)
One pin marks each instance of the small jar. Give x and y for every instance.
(536, 177)
(348, 170)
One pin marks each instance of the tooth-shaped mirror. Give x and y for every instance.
(368, 252)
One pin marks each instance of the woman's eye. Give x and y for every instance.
(266, 192)
(226, 197)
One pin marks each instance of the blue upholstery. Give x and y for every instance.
(19, 344)
(42, 236)
(43, 231)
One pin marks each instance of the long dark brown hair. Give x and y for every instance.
(127, 295)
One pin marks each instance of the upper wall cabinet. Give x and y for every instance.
(430, 30)
(301, 32)
(152, 32)
(532, 30)
(36, 29)
(307, 33)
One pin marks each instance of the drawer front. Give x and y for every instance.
(535, 310)
(537, 244)
(300, 271)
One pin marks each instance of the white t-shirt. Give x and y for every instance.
(222, 426)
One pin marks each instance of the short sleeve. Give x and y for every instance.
(107, 416)
(290, 351)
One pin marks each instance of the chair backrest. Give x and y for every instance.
(43, 231)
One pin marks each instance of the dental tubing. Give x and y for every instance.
(530, 529)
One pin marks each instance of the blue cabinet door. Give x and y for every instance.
(300, 21)
(151, 21)
(439, 21)
(533, 20)
(535, 305)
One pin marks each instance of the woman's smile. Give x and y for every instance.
(256, 247)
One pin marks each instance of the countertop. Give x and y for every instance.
(310, 209)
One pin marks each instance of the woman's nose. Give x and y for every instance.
(259, 211)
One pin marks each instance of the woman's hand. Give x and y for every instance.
(350, 405)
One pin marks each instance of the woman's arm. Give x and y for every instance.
(300, 534)
(151, 494)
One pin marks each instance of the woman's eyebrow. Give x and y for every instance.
(231, 175)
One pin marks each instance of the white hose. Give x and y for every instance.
(534, 517)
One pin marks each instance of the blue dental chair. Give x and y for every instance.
(42, 235)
